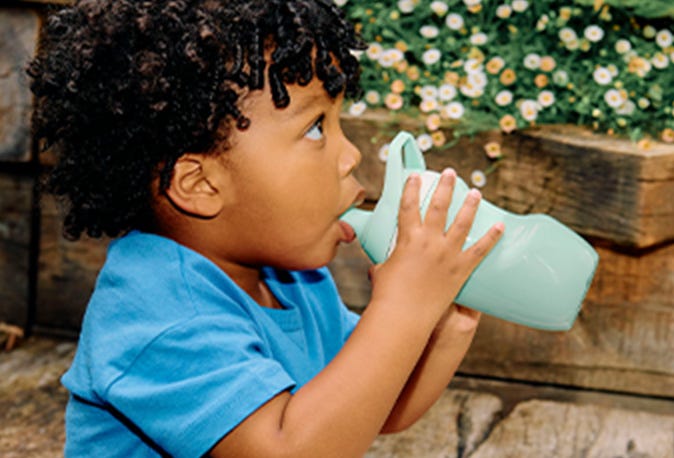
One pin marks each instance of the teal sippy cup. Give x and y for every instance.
(537, 274)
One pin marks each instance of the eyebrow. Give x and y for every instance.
(305, 105)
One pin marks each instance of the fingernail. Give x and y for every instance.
(499, 226)
(449, 172)
(474, 194)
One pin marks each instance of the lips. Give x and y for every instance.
(348, 234)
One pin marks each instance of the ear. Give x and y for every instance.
(196, 185)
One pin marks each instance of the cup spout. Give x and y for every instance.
(357, 219)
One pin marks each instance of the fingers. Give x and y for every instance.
(436, 214)
(460, 228)
(409, 215)
(482, 247)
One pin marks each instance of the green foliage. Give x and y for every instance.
(644, 8)
(478, 64)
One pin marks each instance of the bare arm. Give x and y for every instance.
(436, 367)
(341, 411)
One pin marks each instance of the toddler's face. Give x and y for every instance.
(291, 173)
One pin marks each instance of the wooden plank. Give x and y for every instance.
(67, 272)
(16, 196)
(598, 185)
(621, 341)
(19, 29)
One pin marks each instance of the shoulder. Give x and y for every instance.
(150, 287)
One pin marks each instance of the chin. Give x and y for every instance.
(314, 262)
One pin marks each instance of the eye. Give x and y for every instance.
(315, 132)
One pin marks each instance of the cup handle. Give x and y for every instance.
(404, 155)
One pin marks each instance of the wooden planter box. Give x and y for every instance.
(618, 196)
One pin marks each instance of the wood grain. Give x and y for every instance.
(621, 341)
(598, 185)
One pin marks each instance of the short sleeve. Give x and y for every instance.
(197, 381)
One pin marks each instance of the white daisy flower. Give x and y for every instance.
(560, 78)
(428, 104)
(520, 5)
(454, 21)
(357, 108)
(406, 6)
(593, 33)
(626, 108)
(503, 98)
(664, 38)
(424, 142)
(613, 70)
(374, 51)
(529, 109)
(391, 57)
(504, 11)
(613, 98)
(622, 46)
(643, 103)
(470, 3)
(532, 61)
(477, 79)
(660, 61)
(478, 178)
(602, 76)
(429, 31)
(572, 44)
(383, 152)
(472, 66)
(472, 91)
(372, 97)
(428, 92)
(478, 39)
(439, 8)
(453, 110)
(340, 2)
(567, 34)
(431, 56)
(446, 92)
(546, 98)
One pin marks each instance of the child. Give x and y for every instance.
(205, 134)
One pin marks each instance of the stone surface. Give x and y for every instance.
(32, 400)
(552, 429)
(453, 427)
(464, 423)
(19, 30)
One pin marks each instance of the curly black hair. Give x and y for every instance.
(123, 88)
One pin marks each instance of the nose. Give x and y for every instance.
(350, 157)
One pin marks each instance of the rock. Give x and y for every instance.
(538, 429)
(453, 427)
(32, 400)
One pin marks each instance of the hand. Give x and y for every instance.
(428, 265)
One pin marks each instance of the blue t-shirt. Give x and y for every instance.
(173, 354)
